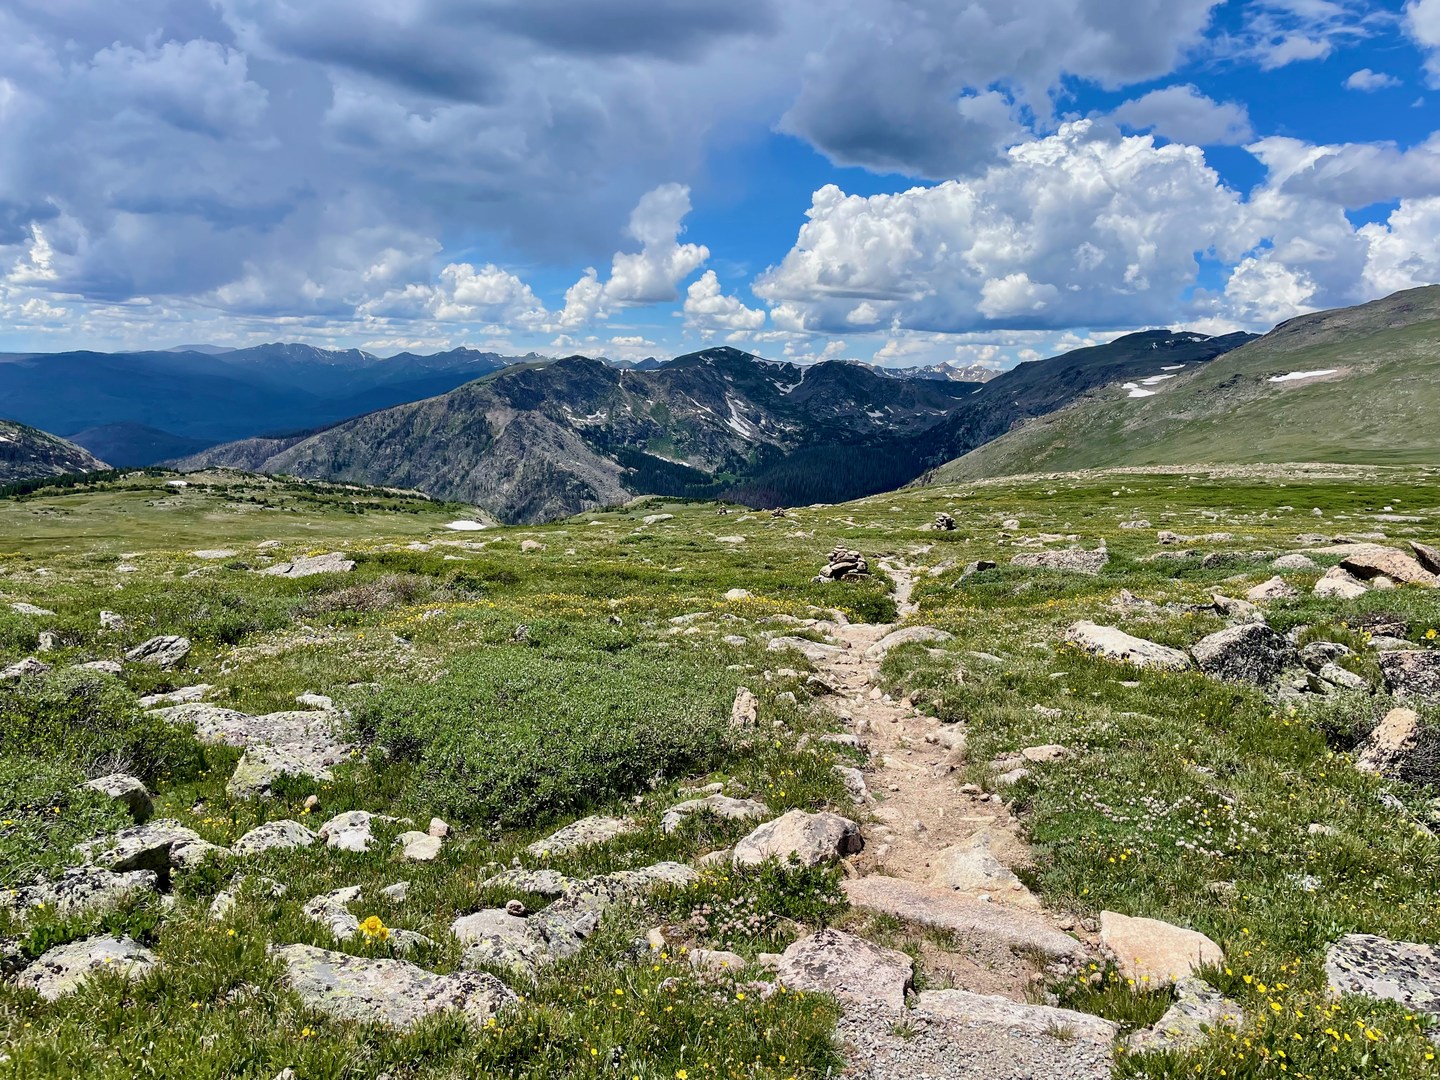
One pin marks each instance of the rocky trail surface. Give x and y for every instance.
(940, 857)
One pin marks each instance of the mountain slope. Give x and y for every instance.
(128, 446)
(536, 441)
(1357, 384)
(27, 453)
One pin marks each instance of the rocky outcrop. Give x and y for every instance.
(1251, 652)
(813, 839)
(1277, 588)
(906, 636)
(1404, 972)
(1077, 561)
(1015, 1017)
(1113, 644)
(350, 831)
(390, 992)
(586, 832)
(1154, 952)
(283, 835)
(128, 791)
(1339, 584)
(853, 969)
(333, 563)
(158, 846)
(60, 971)
(1372, 561)
(1412, 673)
(80, 888)
(165, 652)
(944, 909)
(720, 805)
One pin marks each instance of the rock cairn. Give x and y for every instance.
(944, 522)
(844, 564)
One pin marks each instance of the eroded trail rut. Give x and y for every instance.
(938, 855)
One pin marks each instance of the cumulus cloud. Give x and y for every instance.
(195, 85)
(651, 275)
(1422, 23)
(1353, 175)
(1082, 228)
(1184, 114)
(1282, 32)
(1367, 81)
(932, 88)
(709, 310)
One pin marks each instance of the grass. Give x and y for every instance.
(516, 689)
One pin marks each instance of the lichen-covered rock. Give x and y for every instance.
(719, 805)
(851, 968)
(970, 867)
(1198, 1010)
(1154, 952)
(564, 926)
(61, 970)
(1077, 561)
(332, 911)
(158, 846)
(260, 766)
(540, 882)
(350, 831)
(1251, 652)
(129, 791)
(419, 846)
(165, 652)
(1412, 673)
(391, 992)
(745, 712)
(1277, 588)
(333, 563)
(579, 834)
(1113, 644)
(1404, 972)
(23, 669)
(1340, 584)
(811, 838)
(80, 888)
(1294, 561)
(1370, 561)
(1386, 749)
(274, 835)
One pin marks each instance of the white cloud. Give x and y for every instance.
(1422, 23)
(1282, 32)
(1082, 228)
(1403, 253)
(1367, 81)
(708, 310)
(652, 275)
(1184, 114)
(1353, 175)
(195, 85)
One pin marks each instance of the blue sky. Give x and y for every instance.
(906, 181)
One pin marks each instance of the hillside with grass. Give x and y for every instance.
(1351, 385)
(1120, 774)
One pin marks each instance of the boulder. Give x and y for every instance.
(1427, 556)
(720, 805)
(813, 651)
(1368, 561)
(164, 652)
(105, 667)
(1154, 952)
(184, 696)
(1034, 1021)
(333, 563)
(736, 595)
(1240, 610)
(1113, 644)
(31, 610)
(1199, 1009)
(349, 831)
(854, 781)
(390, 992)
(492, 922)
(1077, 561)
(540, 882)
(127, 790)
(563, 927)
(1412, 673)
(419, 846)
(110, 620)
(323, 702)
(716, 960)
(1340, 584)
(282, 835)
(332, 911)
(1388, 746)
(1294, 561)
(1277, 588)
(23, 669)
(80, 888)
(906, 636)
(158, 846)
(853, 969)
(945, 909)
(583, 833)
(261, 765)
(745, 712)
(1341, 677)
(60, 971)
(1404, 972)
(811, 838)
(1251, 652)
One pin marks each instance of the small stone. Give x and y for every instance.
(438, 828)
(127, 790)
(515, 908)
(164, 652)
(419, 846)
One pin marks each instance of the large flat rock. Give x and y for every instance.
(60, 971)
(853, 969)
(1113, 644)
(1153, 952)
(1405, 972)
(943, 909)
(811, 838)
(990, 1011)
(395, 993)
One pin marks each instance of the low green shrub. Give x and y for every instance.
(91, 721)
(45, 810)
(735, 906)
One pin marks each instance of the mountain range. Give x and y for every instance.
(537, 441)
(27, 453)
